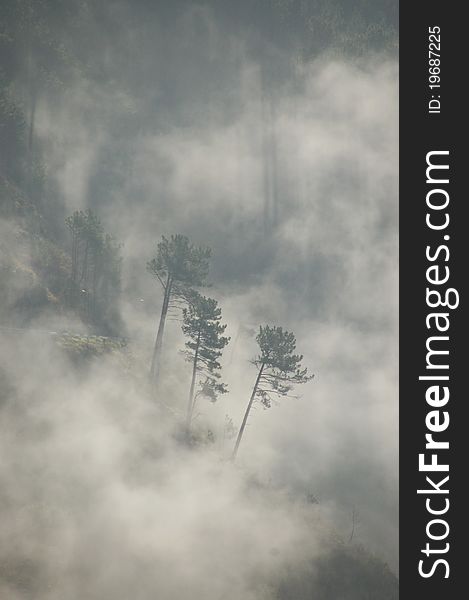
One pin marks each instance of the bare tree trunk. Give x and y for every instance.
(94, 282)
(273, 161)
(246, 414)
(74, 256)
(32, 93)
(190, 406)
(269, 155)
(32, 120)
(30, 156)
(71, 292)
(84, 270)
(83, 290)
(265, 154)
(156, 359)
(354, 520)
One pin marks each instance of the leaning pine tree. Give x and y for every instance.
(202, 325)
(178, 266)
(279, 369)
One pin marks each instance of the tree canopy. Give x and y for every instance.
(181, 262)
(202, 325)
(281, 367)
(279, 370)
(179, 266)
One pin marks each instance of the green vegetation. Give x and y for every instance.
(94, 282)
(179, 266)
(201, 324)
(278, 370)
(88, 347)
(60, 263)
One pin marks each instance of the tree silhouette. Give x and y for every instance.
(202, 324)
(178, 266)
(279, 370)
(96, 265)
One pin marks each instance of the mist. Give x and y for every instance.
(275, 146)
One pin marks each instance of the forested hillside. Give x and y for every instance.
(171, 300)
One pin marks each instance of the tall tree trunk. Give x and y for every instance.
(32, 93)
(265, 155)
(74, 256)
(190, 406)
(83, 291)
(269, 154)
(84, 270)
(30, 156)
(96, 261)
(32, 120)
(246, 414)
(156, 359)
(273, 161)
(73, 278)
(93, 289)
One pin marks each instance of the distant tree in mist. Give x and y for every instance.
(87, 235)
(96, 265)
(202, 325)
(35, 61)
(279, 370)
(179, 266)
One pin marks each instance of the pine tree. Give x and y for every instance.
(279, 370)
(202, 325)
(87, 246)
(179, 266)
(96, 266)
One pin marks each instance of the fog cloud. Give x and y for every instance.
(291, 180)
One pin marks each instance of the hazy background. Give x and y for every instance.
(267, 131)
